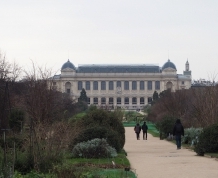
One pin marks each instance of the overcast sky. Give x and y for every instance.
(49, 32)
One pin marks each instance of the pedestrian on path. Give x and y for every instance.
(137, 130)
(178, 131)
(144, 131)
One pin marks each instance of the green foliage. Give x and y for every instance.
(113, 173)
(67, 170)
(208, 141)
(92, 107)
(80, 106)
(191, 135)
(24, 162)
(16, 120)
(95, 148)
(47, 161)
(165, 126)
(83, 96)
(99, 132)
(110, 127)
(77, 117)
(155, 96)
(10, 142)
(118, 114)
(32, 174)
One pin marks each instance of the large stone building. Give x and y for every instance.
(126, 86)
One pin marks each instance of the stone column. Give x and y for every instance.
(91, 87)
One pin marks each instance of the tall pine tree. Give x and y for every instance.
(83, 96)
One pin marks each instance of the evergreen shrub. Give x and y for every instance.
(95, 148)
(165, 126)
(208, 142)
(111, 136)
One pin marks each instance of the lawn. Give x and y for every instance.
(102, 167)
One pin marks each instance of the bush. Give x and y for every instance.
(191, 135)
(103, 124)
(96, 148)
(208, 142)
(165, 126)
(111, 136)
(24, 162)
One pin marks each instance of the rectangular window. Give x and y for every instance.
(183, 82)
(103, 85)
(118, 83)
(134, 85)
(126, 85)
(80, 85)
(87, 85)
(157, 85)
(111, 85)
(149, 85)
(95, 85)
(142, 85)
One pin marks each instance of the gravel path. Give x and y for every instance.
(155, 158)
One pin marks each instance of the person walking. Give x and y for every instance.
(137, 130)
(178, 131)
(144, 131)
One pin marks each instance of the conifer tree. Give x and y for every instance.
(83, 96)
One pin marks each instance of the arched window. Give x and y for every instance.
(111, 101)
(126, 100)
(169, 85)
(95, 101)
(67, 87)
(118, 100)
(103, 101)
(149, 100)
(134, 100)
(142, 100)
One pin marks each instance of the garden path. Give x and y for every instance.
(160, 159)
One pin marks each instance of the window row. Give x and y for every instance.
(118, 100)
(111, 85)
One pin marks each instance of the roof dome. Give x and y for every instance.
(169, 64)
(68, 64)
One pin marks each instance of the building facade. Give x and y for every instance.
(125, 86)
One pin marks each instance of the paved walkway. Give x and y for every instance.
(155, 158)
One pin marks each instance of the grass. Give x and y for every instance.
(115, 173)
(119, 160)
(103, 167)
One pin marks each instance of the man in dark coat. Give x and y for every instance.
(178, 131)
(137, 130)
(144, 129)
